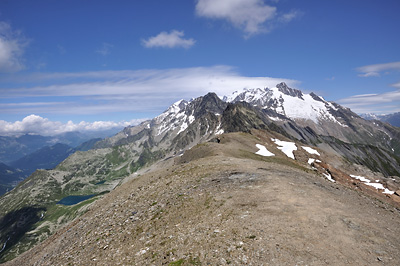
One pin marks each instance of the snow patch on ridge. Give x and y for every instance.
(219, 130)
(329, 177)
(274, 118)
(174, 117)
(378, 186)
(263, 151)
(191, 119)
(286, 147)
(310, 150)
(184, 126)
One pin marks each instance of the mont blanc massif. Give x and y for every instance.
(265, 176)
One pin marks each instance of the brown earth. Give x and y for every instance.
(221, 204)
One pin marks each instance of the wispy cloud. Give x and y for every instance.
(43, 126)
(379, 103)
(388, 102)
(396, 85)
(173, 39)
(250, 16)
(288, 17)
(105, 49)
(143, 91)
(12, 47)
(377, 69)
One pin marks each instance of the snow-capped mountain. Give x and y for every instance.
(180, 125)
(301, 115)
(393, 119)
(312, 111)
(283, 114)
(289, 102)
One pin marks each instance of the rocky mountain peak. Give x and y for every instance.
(282, 87)
(316, 97)
(207, 103)
(274, 118)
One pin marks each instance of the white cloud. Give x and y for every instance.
(375, 70)
(140, 91)
(105, 49)
(12, 46)
(382, 103)
(396, 85)
(153, 82)
(288, 17)
(43, 126)
(251, 16)
(174, 39)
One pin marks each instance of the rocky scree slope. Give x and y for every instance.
(223, 204)
(99, 171)
(126, 155)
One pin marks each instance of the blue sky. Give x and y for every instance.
(66, 64)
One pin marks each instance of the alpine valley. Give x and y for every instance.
(265, 176)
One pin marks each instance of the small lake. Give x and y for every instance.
(72, 200)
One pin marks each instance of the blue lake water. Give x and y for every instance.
(71, 200)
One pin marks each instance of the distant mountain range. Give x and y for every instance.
(9, 177)
(13, 148)
(47, 157)
(32, 155)
(187, 131)
(393, 119)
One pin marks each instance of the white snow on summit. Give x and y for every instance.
(174, 117)
(292, 103)
(306, 108)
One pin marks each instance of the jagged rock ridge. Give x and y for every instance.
(184, 125)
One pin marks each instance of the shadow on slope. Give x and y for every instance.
(15, 224)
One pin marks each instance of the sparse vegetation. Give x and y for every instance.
(215, 203)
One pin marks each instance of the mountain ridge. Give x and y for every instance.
(393, 119)
(188, 125)
(221, 203)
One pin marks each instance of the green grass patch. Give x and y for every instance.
(177, 263)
